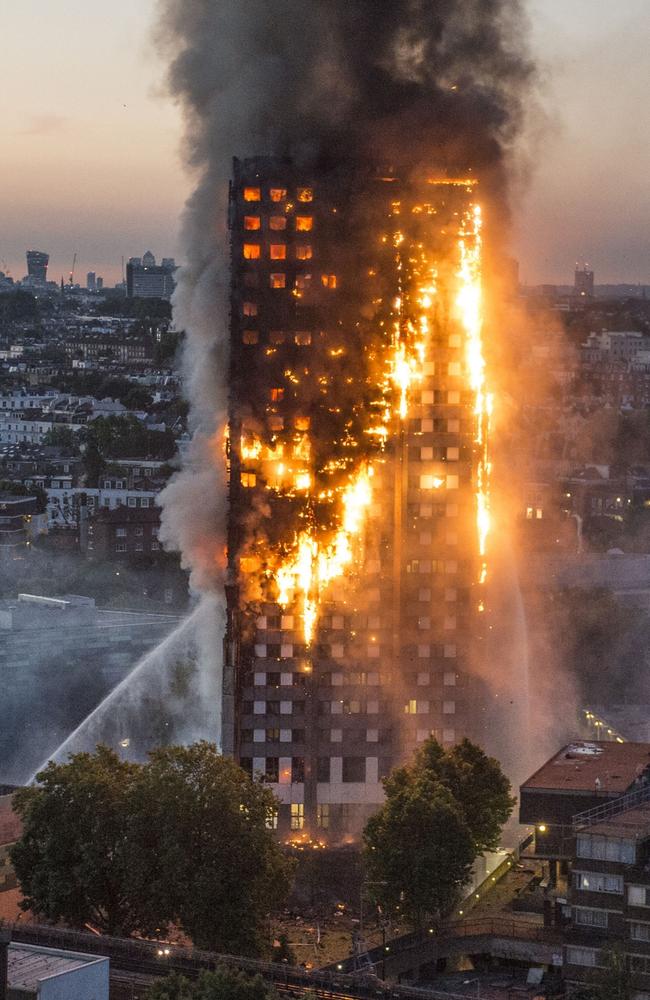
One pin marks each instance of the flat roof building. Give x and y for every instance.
(50, 973)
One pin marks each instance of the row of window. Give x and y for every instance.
(302, 338)
(598, 882)
(277, 251)
(353, 769)
(278, 279)
(288, 650)
(138, 547)
(278, 223)
(278, 193)
(602, 848)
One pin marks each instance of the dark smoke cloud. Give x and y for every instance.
(406, 80)
(439, 83)
(435, 84)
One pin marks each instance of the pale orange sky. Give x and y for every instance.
(90, 163)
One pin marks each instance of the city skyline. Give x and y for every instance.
(96, 168)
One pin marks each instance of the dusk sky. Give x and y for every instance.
(90, 158)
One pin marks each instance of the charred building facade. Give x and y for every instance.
(358, 480)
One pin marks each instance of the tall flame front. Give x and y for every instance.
(304, 568)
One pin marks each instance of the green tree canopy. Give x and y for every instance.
(418, 848)
(218, 866)
(440, 812)
(61, 435)
(224, 984)
(478, 784)
(182, 839)
(73, 859)
(127, 437)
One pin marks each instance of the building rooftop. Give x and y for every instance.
(607, 767)
(29, 964)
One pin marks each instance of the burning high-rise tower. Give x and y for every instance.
(358, 479)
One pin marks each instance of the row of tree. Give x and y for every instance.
(186, 839)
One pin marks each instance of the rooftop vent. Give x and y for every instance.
(583, 751)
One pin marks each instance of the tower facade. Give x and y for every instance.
(37, 262)
(358, 480)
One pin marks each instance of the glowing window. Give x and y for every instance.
(251, 251)
(252, 222)
(252, 194)
(304, 223)
(411, 707)
(278, 251)
(305, 194)
(303, 338)
(249, 309)
(303, 281)
(248, 479)
(303, 252)
(278, 222)
(297, 815)
(302, 423)
(278, 194)
(278, 281)
(276, 336)
(272, 819)
(277, 395)
(250, 337)
(329, 280)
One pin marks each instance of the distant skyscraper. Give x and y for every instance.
(37, 262)
(147, 280)
(91, 281)
(584, 282)
(99, 284)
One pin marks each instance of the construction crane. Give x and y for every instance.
(74, 261)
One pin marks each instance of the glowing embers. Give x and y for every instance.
(314, 563)
(469, 306)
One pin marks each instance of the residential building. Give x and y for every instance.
(325, 716)
(125, 534)
(145, 279)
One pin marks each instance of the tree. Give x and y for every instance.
(477, 782)
(440, 813)
(62, 436)
(418, 848)
(224, 984)
(219, 869)
(134, 847)
(73, 859)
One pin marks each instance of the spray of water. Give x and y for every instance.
(172, 695)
